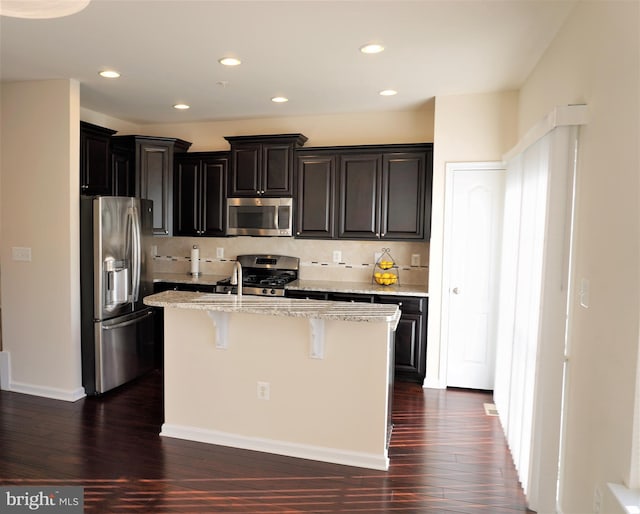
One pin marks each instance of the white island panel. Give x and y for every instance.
(333, 409)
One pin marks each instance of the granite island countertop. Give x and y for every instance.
(270, 306)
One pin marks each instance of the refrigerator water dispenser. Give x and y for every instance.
(117, 282)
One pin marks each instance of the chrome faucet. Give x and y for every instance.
(236, 278)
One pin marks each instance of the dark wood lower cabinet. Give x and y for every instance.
(411, 333)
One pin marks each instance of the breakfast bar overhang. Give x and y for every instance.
(304, 378)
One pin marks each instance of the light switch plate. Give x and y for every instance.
(337, 256)
(415, 259)
(21, 253)
(219, 253)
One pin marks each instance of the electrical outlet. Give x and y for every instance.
(220, 253)
(337, 256)
(263, 390)
(415, 259)
(20, 253)
(154, 250)
(376, 256)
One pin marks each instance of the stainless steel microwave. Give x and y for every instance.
(259, 216)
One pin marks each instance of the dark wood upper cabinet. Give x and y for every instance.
(123, 170)
(372, 192)
(263, 165)
(95, 159)
(403, 208)
(199, 193)
(154, 174)
(359, 196)
(315, 209)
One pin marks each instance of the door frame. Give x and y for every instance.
(450, 169)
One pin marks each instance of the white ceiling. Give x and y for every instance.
(167, 52)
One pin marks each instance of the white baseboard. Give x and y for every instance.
(302, 451)
(433, 384)
(47, 392)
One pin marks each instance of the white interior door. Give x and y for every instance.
(473, 242)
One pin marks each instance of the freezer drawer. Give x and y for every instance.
(124, 349)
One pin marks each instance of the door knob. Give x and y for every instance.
(455, 290)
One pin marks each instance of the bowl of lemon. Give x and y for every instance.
(385, 264)
(385, 279)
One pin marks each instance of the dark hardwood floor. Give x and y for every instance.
(447, 456)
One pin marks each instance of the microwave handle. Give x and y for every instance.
(276, 220)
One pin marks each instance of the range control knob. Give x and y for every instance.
(264, 291)
(273, 291)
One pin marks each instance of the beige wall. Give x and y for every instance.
(104, 120)
(595, 59)
(414, 126)
(474, 128)
(40, 183)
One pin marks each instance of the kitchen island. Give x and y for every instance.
(304, 378)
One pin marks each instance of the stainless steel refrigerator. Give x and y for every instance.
(117, 328)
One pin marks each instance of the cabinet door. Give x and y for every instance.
(246, 160)
(123, 171)
(155, 161)
(95, 164)
(359, 197)
(409, 354)
(410, 337)
(315, 206)
(276, 177)
(213, 184)
(403, 192)
(186, 193)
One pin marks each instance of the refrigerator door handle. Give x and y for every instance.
(136, 250)
(128, 322)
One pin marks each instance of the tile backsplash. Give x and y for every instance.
(173, 255)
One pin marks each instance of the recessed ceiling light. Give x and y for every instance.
(230, 61)
(181, 107)
(109, 74)
(279, 99)
(388, 92)
(41, 9)
(372, 48)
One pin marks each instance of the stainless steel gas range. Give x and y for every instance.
(262, 275)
